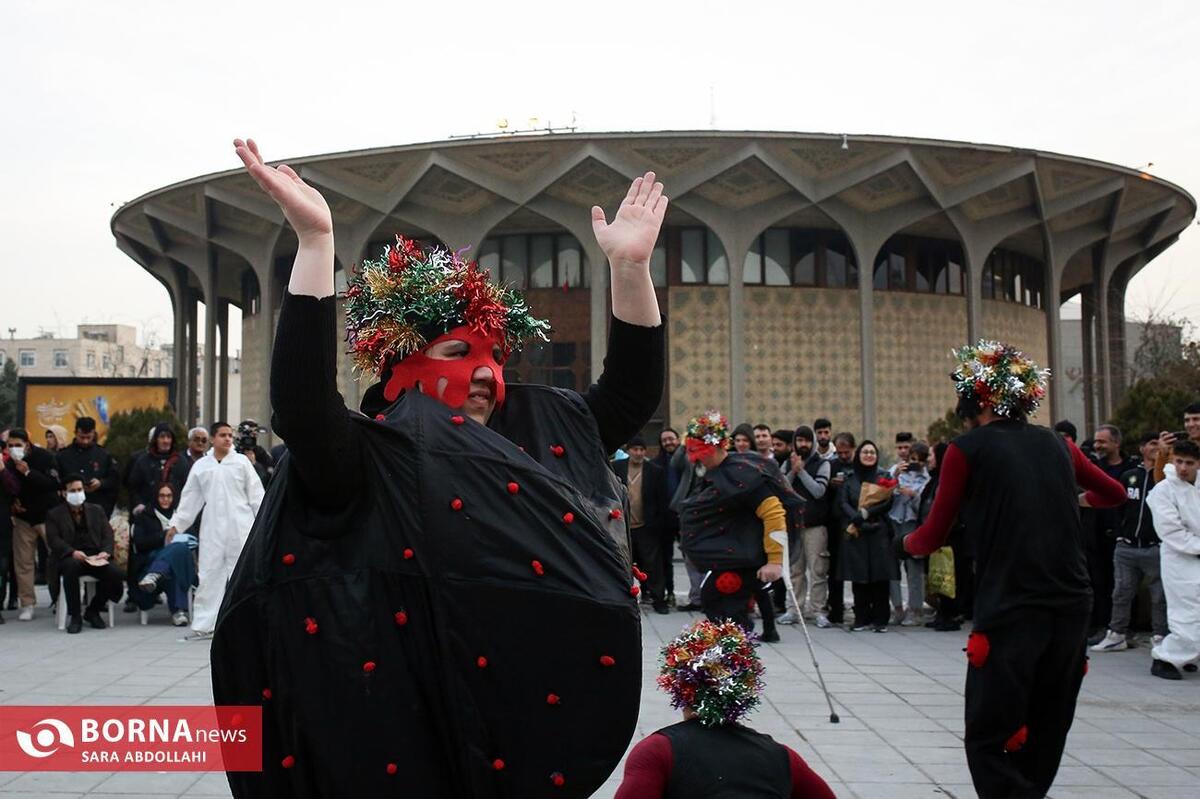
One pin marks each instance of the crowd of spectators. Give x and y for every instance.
(842, 542)
(60, 502)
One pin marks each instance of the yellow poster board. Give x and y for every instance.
(51, 401)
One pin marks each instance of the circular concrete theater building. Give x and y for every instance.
(802, 275)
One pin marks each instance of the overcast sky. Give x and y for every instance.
(103, 101)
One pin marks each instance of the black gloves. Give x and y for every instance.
(898, 548)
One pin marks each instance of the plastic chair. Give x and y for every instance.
(89, 588)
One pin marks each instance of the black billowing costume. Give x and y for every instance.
(461, 624)
(720, 533)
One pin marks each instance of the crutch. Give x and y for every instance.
(781, 537)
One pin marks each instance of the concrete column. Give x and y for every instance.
(193, 348)
(211, 303)
(179, 305)
(223, 361)
(598, 290)
(1100, 281)
(1053, 304)
(736, 248)
(1117, 351)
(1089, 348)
(976, 258)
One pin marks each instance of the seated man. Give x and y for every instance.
(713, 675)
(82, 539)
(158, 562)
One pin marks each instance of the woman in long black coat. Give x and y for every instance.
(866, 558)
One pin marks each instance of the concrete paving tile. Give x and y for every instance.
(1137, 777)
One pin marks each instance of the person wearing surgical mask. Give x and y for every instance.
(37, 492)
(81, 538)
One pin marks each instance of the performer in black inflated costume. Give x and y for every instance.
(437, 598)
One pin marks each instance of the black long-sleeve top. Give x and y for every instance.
(323, 443)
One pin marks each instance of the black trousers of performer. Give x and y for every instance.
(670, 530)
(837, 588)
(107, 590)
(1100, 572)
(872, 604)
(736, 606)
(1030, 679)
(647, 554)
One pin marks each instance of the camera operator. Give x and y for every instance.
(247, 444)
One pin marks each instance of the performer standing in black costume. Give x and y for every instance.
(437, 597)
(1013, 486)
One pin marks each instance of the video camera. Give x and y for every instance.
(247, 435)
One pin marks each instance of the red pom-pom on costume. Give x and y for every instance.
(606, 660)
(310, 625)
(456, 504)
(538, 569)
(369, 667)
(266, 693)
(568, 518)
(978, 648)
(1086, 662)
(558, 451)
(379, 417)
(558, 779)
(552, 699)
(729, 582)
(638, 573)
(481, 662)
(457, 419)
(288, 762)
(392, 768)
(1017, 742)
(289, 559)
(401, 618)
(513, 488)
(498, 765)
(634, 590)
(408, 554)
(615, 513)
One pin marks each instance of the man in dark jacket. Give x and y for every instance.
(1105, 525)
(668, 443)
(82, 539)
(809, 553)
(646, 485)
(89, 460)
(37, 492)
(160, 463)
(1136, 555)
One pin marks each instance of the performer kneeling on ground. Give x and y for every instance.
(726, 525)
(437, 599)
(1175, 503)
(714, 675)
(1013, 485)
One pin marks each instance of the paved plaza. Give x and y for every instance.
(899, 696)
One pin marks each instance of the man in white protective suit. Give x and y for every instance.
(225, 486)
(1175, 504)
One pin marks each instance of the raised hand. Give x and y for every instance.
(304, 207)
(629, 239)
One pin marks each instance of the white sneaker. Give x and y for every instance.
(911, 619)
(198, 636)
(149, 583)
(1156, 640)
(26, 613)
(787, 618)
(897, 615)
(180, 618)
(1112, 642)
(823, 621)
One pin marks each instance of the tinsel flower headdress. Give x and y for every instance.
(710, 427)
(714, 670)
(1001, 377)
(410, 295)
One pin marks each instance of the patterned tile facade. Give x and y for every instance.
(802, 356)
(698, 358)
(914, 334)
(1025, 329)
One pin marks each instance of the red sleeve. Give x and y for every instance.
(806, 783)
(953, 472)
(647, 769)
(1101, 490)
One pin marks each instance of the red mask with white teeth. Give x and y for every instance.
(458, 372)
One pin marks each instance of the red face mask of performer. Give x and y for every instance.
(458, 372)
(698, 450)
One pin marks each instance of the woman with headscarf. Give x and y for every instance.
(866, 558)
(158, 562)
(437, 598)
